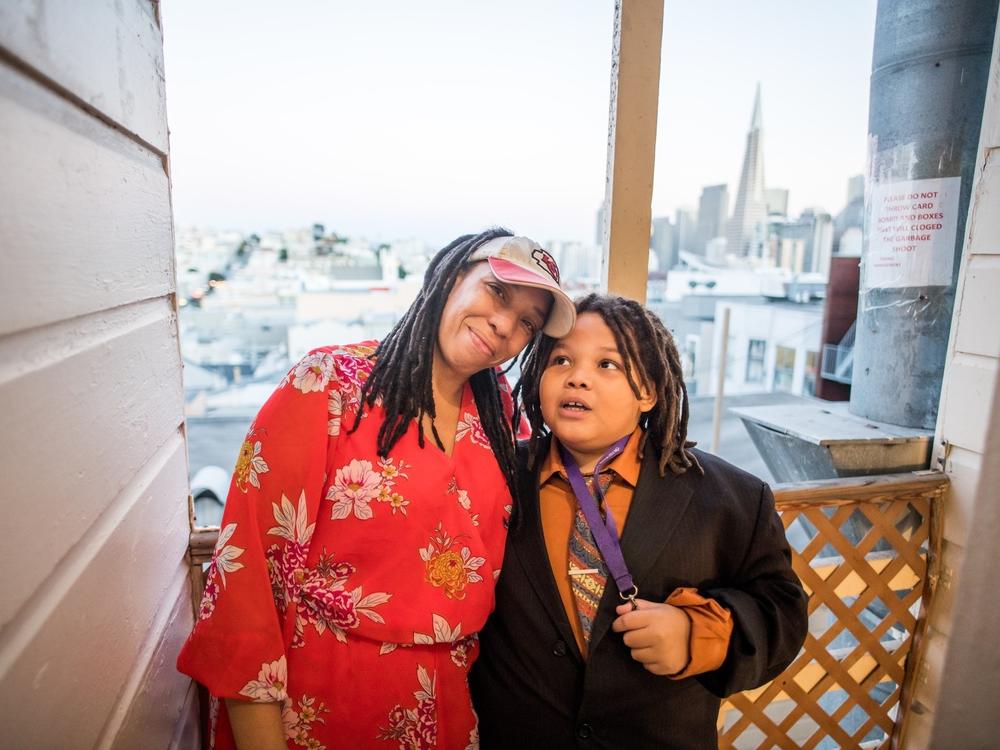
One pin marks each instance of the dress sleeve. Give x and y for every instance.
(768, 607)
(237, 648)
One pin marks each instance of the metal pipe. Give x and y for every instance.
(930, 67)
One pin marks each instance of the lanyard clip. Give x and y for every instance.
(630, 596)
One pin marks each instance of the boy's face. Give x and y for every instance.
(586, 399)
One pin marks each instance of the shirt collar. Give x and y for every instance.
(626, 465)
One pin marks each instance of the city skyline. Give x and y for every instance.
(361, 118)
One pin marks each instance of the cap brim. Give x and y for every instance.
(562, 316)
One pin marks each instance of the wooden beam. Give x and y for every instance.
(635, 88)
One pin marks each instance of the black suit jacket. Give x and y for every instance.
(719, 533)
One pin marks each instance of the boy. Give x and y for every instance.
(596, 643)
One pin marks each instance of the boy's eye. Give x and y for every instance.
(609, 364)
(530, 325)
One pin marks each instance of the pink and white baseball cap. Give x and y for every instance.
(518, 260)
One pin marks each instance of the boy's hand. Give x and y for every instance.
(658, 634)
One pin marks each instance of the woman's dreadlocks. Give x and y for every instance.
(401, 375)
(651, 359)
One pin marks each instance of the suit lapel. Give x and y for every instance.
(656, 508)
(528, 545)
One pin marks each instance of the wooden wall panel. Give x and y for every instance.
(86, 220)
(65, 665)
(106, 53)
(154, 704)
(984, 224)
(980, 333)
(78, 428)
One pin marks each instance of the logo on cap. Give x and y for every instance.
(546, 262)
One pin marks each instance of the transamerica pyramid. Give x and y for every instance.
(745, 231)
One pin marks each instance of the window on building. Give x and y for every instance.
(756, 350)
(784, 368)
(809, 380)
(690, 361)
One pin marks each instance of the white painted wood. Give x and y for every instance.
(970, 386)
(85, 223)
(109, 53)
(984, 234)
(62, 672)
(963, 467)
(76, 431)
(944, 601)
(978, 331)
(187, 735)
(154, 700)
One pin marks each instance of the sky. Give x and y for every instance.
(393, 119)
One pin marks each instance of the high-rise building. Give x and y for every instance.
(852, 216)
(855, 188)
(803, 245)
(777, 201)
(685, 231)
(662, 243)
(744, 233)
(713, 211)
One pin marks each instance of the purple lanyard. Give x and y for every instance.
(603, 529)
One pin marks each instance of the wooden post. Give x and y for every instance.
(635, 85)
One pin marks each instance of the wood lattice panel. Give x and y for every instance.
(866, 551)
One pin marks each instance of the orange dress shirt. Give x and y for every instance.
(711, 623)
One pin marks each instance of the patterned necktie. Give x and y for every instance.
(587, 572)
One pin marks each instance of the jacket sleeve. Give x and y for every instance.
(237, 647)
(768, 606)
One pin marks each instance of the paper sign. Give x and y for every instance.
(911, 233)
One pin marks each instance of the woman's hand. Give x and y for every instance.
(256, 726)
(659, 635)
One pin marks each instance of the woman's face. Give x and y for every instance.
(486, 322)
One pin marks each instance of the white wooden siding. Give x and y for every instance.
(95, 600)
(968, 422)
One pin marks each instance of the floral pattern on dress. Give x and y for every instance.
(463, 500)
(305, 575)
(470, 426)
(335, 408)
(298, 721)
(357, 484)
(250, 464)
(223, 561)
(270, 685)
(313, 372)
(442, 632)
(352, 372)
(319, 593)
(447, 568)
(415, 728)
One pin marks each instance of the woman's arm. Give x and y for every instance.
(256, 726)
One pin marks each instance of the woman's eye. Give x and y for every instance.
(497, 290)
(559, 359)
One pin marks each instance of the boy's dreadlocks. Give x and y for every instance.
(401, 375)
(651, 359)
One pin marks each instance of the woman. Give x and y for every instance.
(365, 525)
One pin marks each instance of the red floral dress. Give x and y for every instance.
(346, 586)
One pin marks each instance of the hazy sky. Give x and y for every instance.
(429, 119)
